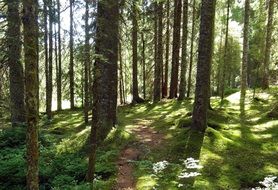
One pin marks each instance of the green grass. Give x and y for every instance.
(236, 152)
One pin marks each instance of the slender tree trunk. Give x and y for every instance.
(50, 63)
(205, 49)
(15, 67)
(191, 49)
(71, 70)
(121, 85)
(184, 51)
(245, 55)
(159, 51)
(59, 78)
(135, 93)
(30, 24)
(265, 81)
(224, 68)
(176, 49)
(46, 55)
(144, 63)
(167, 52)
(105, 77)
(87, 63)
(219, 66)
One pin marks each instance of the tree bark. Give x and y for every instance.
(59, 78)
(135, 93)
(30, 23)
(205, 49)
(105, 77)
(159, 52)
(176, 49)
(243, 83)
(15, 67)
(182, 86)
(71, 67)
(191, 49)
(268, 43)
(87, 63)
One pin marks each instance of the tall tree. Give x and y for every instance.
(71, 66)
(49, 87)
(226, 46)
(245, 54)
(15, 66)
(135, 92)
(191, 49)
(205, 49)
(87, 59)
(30, 24)
(182, 86)
(268, 43)
(105, 77)
(176, 49)
(59, 70)
(167, 51)
(159, 51)
(46, 60)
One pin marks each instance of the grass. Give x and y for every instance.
(236, 152)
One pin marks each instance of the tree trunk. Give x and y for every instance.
(191, 49)
(159, 51)
(245, 55)
(167, 52)
(135, 93)
(205, 49)
(176, 49)
(144, 64)
(15, 67)
(30, 23)
(71, 68)
(224, 68)
(105, 77)
(184, 52)
(49, 88)
(87, 63)
(265, 81)
(121, 85)
(59, 78)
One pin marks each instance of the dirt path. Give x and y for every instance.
(147, 137)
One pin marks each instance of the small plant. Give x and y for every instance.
(269, 183)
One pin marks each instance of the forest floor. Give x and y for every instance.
(147, 150)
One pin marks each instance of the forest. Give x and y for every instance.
(138, 94)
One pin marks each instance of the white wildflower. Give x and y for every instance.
(160, 166)
(185, 174)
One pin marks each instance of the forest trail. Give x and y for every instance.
(146, 139)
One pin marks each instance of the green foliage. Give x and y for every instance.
(13, 137)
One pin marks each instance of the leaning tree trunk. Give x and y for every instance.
(245, 55)
(135, 93)
(105, 77)
(205, 49)
(15, 66)
(71, 66)
(191, 49)
(176, 49)
(182, 86)
(30, 24)
(265, 81)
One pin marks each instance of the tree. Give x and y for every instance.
(268, 43)
(205, 50)
(135, 93)
(71, 66)
(191, 48)
(87, 59)
(159, 52)
(176, 49)
(30, 24)
(15, 66)
(59, 70)
(182, 86)
(245, 55)
(105, 77)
